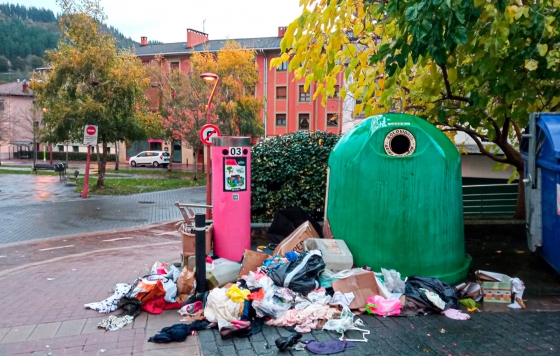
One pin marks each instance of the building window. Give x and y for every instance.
(1, 105)
(282, 67)
(60, 148)
(281, 92)
(108, 150)
(304, 96)
(280, 119)
(75, 148)
(304, 121)
(174, 66)
(332, 119)
(336, 91)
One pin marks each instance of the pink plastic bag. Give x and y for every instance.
(381, 306)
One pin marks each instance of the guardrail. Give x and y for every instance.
(489, 200)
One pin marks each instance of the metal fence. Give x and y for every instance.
(487, 200)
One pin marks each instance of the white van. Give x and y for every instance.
(152, 158)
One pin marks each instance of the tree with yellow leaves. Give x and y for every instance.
(475, 66)
(237, 107)
(92, 83)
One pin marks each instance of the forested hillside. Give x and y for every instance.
(27, 32)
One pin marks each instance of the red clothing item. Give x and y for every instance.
(158, 305)
(258, 295)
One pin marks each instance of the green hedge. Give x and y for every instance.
(290, 170)
(61, 156)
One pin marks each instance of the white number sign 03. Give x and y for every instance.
(235, 151)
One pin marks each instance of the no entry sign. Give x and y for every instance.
(90, 135)
(207, 132)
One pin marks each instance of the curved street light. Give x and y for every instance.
(209, 77)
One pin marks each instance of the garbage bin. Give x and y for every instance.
(394, 195)
(540, 149)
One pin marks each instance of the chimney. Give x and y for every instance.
(194, 38)
(143, 41)
(281, 31)
(25, 86)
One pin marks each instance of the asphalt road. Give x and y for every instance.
(37, 207)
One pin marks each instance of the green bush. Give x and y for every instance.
(61, 156)
(290, 170)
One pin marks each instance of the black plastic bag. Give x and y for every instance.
(301, 275)
(284, 342)
(444, 290)
(286, 221)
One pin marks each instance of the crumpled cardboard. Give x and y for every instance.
(327, 233)
(469, 290)
(363, 285)
(294, 242)
(251, 261)
(186, 285)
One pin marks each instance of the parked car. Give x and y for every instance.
(152, 158)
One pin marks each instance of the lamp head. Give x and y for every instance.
(209, 77)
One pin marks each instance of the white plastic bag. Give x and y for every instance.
(393, 281)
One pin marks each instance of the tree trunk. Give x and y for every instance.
(67, 154)
(117, 157)
(195, 177)
(97, 148)
(169, 167)
(101, 167)
(34, 150)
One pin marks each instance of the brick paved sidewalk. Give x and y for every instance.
(43, 310)
(489, 333)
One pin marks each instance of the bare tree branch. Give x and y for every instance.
(517, 130)
(449, 95)
(483, 150)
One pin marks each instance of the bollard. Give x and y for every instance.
(200, 249)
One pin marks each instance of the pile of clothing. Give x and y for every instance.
(152, 293)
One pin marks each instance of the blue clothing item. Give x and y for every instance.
(292, 256)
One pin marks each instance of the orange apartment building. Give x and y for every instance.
(287, 107)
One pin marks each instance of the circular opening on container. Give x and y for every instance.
(400, 143)
(245, 151)
(225, 152)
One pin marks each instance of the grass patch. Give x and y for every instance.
(156, 171)
(127, 186)
(39, 173)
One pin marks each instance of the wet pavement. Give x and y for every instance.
(38, 207)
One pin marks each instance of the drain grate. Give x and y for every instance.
(145, 202)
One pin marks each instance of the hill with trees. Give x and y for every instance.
(27, 32)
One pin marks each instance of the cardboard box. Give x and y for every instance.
(189, 242)
(251, 261)
(363, 286)
(496, 287)
(497, 292)
(294, 242)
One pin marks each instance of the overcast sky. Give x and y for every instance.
(167, 20)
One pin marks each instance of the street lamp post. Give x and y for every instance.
(209, 77)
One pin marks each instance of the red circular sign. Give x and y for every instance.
(207, 132)
(90, 130)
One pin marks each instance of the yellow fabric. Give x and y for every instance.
(237, 295)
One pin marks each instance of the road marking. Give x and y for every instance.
(55, 248)
(3, 256)
(172, 233)
(119, 238)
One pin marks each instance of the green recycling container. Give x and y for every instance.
(394, 196)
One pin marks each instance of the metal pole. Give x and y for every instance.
(208, 160)
(86, 177)
(200, 249)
